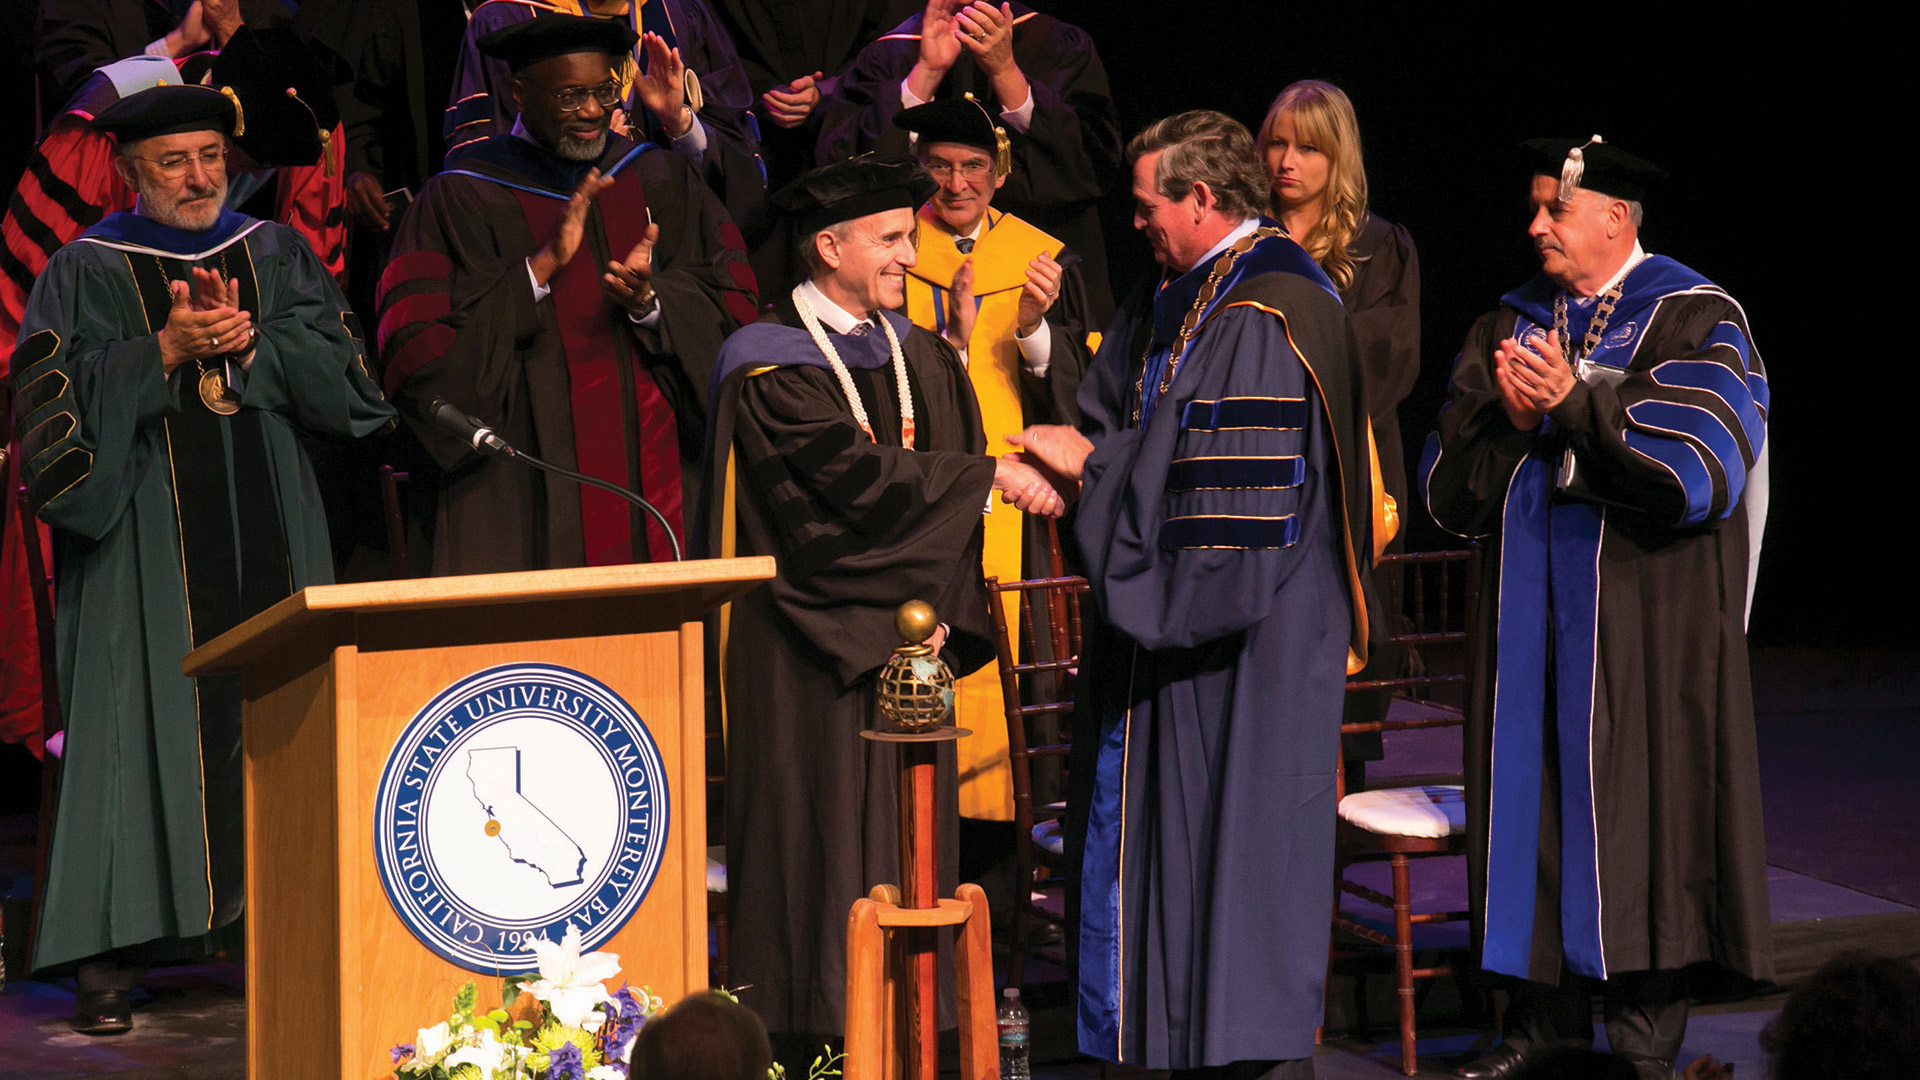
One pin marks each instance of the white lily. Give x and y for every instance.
(485, 1050)
(570, 983)
(431, 1044)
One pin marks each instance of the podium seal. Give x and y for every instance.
(521, 800)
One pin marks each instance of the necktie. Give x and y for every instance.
(965, 244)
(860, 329)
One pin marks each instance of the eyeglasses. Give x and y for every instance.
(175, 166)
(606, 95)
(970, 170)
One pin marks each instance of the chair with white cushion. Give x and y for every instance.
(1400, 824)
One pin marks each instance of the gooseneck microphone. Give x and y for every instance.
(455, 421)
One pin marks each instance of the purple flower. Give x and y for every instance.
(628, 1016)
(564, 1063)
(400, 1052)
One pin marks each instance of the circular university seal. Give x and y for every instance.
(522, 799)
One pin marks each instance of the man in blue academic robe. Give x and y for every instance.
(168, 361)
(1225, 519)
(1605, 434)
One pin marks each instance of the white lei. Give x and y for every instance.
(840, 372)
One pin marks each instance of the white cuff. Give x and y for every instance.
(908, 99)
(650, 319)
(1036, 349)
(158, 47)
(539, 291)
(1021, 118)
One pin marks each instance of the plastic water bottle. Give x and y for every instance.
(1013, 1036)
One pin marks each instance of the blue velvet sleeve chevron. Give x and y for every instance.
(1679, 433)
(1234, 479)
(1192, 525)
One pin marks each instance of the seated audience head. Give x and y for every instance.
(706, 1036)
(1310, 144)
(172, 150)
(1586, 200)
(965, 153)
(854, 222)
(1856, 1018)
(1195, 179)
(564, 80)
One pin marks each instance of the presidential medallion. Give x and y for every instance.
(216, 394)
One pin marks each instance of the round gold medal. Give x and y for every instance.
(216, 394)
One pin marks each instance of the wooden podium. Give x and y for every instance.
(333, 676)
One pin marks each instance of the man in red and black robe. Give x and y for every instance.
(570, 288)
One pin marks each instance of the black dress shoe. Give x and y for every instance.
(1509, 1061)
(102, 1012)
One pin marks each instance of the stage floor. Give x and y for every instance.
(1840, 747)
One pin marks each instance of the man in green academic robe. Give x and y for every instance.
(167, 360)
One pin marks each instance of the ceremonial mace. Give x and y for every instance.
(893, 1016)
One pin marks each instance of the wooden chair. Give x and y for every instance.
(390, 481)
(1398, 824)
(1039, 708)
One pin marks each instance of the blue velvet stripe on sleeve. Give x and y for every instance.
(1236, 533)
(1689, 471)
(1230, 414)
(1236, 473)
(1732, 390)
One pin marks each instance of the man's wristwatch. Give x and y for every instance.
(646, 306)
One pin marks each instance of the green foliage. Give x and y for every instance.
(827, 1064)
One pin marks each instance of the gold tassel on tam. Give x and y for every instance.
(239, 114)
(326, 136)
(1002, 146)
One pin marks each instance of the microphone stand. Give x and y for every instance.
(582, 478)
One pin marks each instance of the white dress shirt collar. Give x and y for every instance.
(835, 318)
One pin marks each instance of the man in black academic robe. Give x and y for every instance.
(866, 503)
(1604, 435)
(1040, 77)
(169, 361)
(1224, 516)
(570, 288)
(700, 98)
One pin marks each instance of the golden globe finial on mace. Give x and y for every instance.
(916, 686)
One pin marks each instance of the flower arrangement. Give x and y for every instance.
(562, 1026)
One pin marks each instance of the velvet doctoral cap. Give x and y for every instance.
(1593, 164)
(550, 34)
(287, 107)
(952, 120)
(167, 110)
(853, 189)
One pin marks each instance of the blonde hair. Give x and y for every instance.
(1323, 117)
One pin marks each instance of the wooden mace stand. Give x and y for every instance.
(881, 966)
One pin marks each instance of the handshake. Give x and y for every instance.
(1047, 463)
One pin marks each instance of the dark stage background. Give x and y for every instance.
(1777, 193)
(1763, 124)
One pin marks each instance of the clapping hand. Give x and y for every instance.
(1038, 295)
(629, 282)
(790, 106)
(204, 321)
(961, 309)
(1533, 378)
(663, 89)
